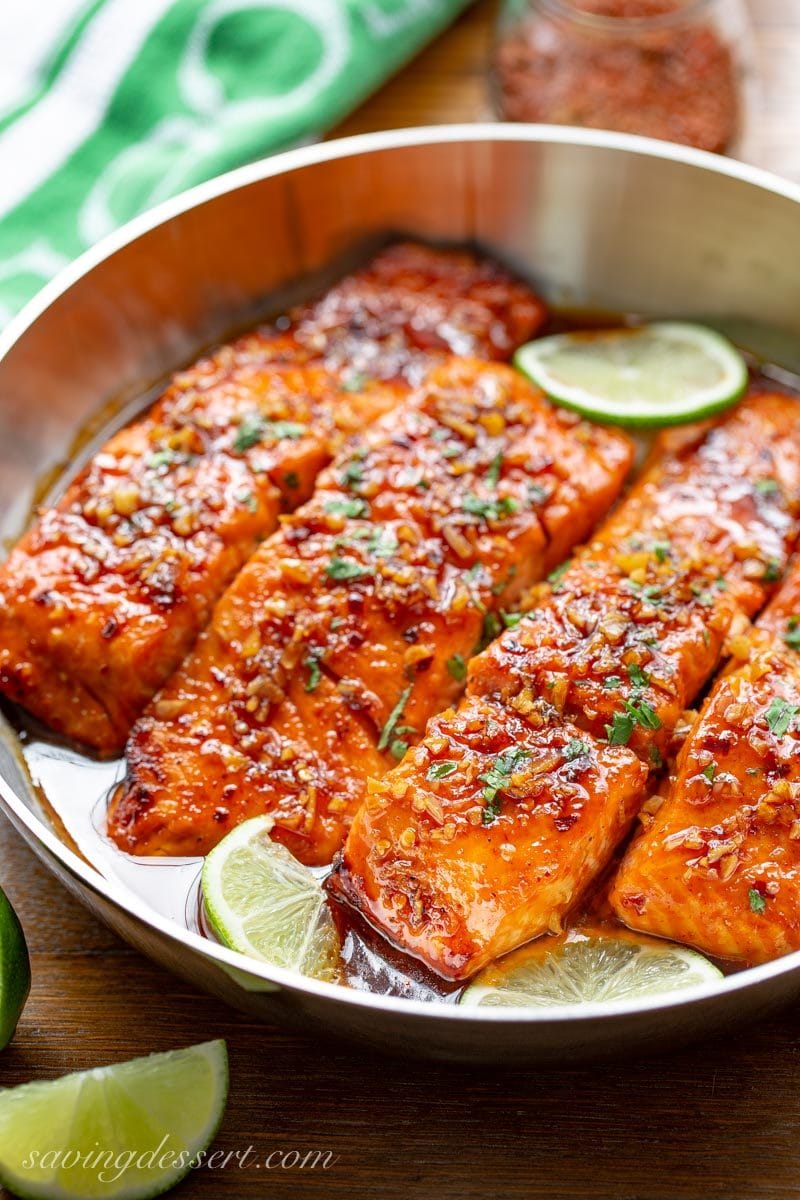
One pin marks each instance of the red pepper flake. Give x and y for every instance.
(638, 66)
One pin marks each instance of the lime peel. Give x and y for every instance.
(15, 971)
(261, 901)
(128, 1131)
(588, 969)
(665, 373)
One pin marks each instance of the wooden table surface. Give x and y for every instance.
(720, 1120)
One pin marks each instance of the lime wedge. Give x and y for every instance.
(127, 1131)
(261, 901)
(15, 971)
(583, 969)
(660, 374)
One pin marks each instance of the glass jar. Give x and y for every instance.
(670, 69)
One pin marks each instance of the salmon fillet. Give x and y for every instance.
(409, 306)
(353, 624)
(484, 834)
(105, 595)
(625, 637)
(718, 865)
(470, 847)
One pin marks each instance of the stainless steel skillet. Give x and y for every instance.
(596, 220)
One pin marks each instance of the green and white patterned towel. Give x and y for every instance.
(108, 106)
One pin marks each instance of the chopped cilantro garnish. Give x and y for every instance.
(555, 577)
(470, 577)
(162, 458)
(354, 507)
(440, 770)
(353, 474)
(491, 808)
(511, 619)
(493, 474)
(284, 429)
(643, 714)
(496, 778)
(709, 772)
(248, 500)
(767, 487)
(792, 635)
(382, 542)
(345, 568)
(457, 668)
(620, 730)
(489, 510)
(650, 591)
(780, 715)
(772, 571)
(655, 757)
(398, 748)
(254, 427)
(292, 479)
(387, 733)
(575, 748)
(702, 595)
(612, 681)
(638, 677)
(662, 550)
(758, 904)
(353, 382)
(249, 432)
(489, 630)
(314, 672)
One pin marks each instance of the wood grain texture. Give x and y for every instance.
(716, 1121)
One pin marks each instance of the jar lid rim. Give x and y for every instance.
(684, 10)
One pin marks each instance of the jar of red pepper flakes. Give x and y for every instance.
(669, 69)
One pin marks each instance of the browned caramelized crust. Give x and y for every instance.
(615, 650)
(352, 625)
(718, 865)
(105, 595)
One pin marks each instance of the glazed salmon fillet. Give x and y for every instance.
(718, 865)
(623, 639)
(472, 847)
(352, 625)
(105, 595)
(410, 306)
(486, 832)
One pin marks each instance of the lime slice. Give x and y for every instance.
(660, 374)
(15, 971)
(261, 901)
(582, 969)
(127, 1131)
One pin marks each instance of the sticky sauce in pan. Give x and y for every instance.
(72, 788)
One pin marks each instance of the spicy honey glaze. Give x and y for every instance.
(72, 788)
